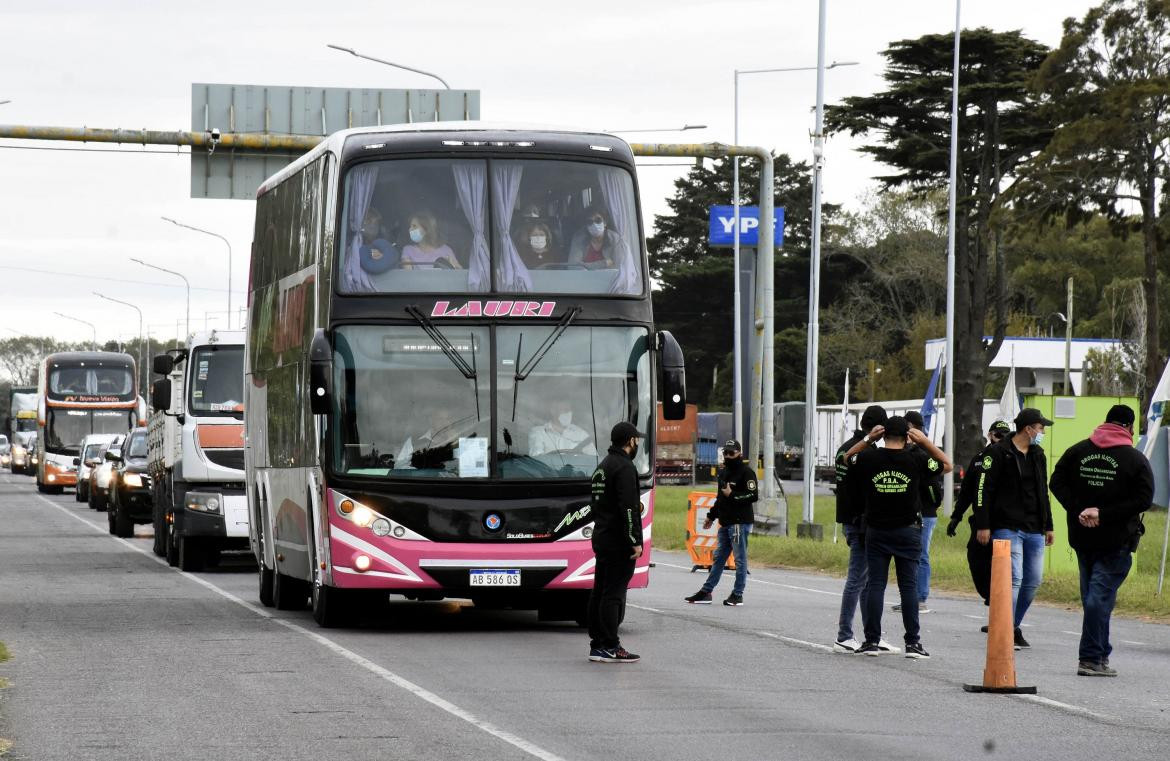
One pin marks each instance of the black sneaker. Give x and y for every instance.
(700, 598)
(596, 654)
(983, 628)
(618, 655)
(734, 600)
(916, 650)
(1093, 668)
(1021, 643)
(869, 648)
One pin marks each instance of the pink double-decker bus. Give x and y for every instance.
(445, 321)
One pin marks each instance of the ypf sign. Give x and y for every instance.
(721, 227)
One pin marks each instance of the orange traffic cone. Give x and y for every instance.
(999, 674)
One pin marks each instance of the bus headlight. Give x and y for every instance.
(362, 516)
(380, 527)
(204, 502)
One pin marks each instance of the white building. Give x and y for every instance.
(1039, 362)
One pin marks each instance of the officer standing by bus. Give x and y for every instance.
(616, 509)
(738, 491)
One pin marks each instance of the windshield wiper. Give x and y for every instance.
(522, 373)
(468, 371)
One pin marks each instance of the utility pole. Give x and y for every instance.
(1068, 340)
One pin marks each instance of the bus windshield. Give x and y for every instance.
(66, 428)
(472, 226)
(105, 382)
(217, 381)
(405, 409)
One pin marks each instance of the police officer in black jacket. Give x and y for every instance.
(616, 508)
(978, 555)
(849, 516)
(733, 509)
(1104, 485)
(1011, 502)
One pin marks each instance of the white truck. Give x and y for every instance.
(196, 450)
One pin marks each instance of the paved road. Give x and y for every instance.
(116, 656)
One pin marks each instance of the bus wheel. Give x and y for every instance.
(331, 606)
(191, 554)
(267, 581)
(288, 593)
(171, 546)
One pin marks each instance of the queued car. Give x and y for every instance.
(92, 447)
(30, 466)
(130, 498)
(18, 458)
(5, 451)
(98, 490)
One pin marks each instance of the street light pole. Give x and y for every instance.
(229, 248)
(353, 52)
(949, 440)
(737, 392)
(814, 291)
(141, 360)
(176, 274)
(93, 343)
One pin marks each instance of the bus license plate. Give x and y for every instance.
(496, 578)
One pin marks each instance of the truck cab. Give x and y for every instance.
(196, 450)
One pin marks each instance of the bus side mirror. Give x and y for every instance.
(163, 364)
(160, 392)
(320, 373)
(674, 378)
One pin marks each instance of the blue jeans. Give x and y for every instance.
(903, 546)
(928, 524)
(1102, 572)
(733, 539)
(1027, 567)
(855, 579)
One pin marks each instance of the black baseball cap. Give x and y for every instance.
(914, 418)
(1120, 414)
(623, 432)
(1001, 427)
(896, 426)
(1030, 416)
(731, 445)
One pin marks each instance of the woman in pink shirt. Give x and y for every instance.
(425, 250)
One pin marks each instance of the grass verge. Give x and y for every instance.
(948, 556)
(5, 745)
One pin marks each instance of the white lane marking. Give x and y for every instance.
(1131, 642)
(977, 618)
(643, 607)
(762, 581)
(1070, 708)
(794, 641)
(515, 740)
(1075, 634)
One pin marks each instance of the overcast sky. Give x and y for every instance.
(77, 218)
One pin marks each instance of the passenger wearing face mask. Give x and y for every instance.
(426, 249)
(536, 247)
(733, 509)
(560, 434)
(595, 247)
(1011, 502)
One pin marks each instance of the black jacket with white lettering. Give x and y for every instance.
(737, 508)
(615, 504)
(847, 511)
(999, 502)
(1115, 480)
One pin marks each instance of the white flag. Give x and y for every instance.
(845, 431)
(1009, 403)
(1158, 401)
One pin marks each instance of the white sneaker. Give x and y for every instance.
(846, 645)
(923, 609)
(886, 647)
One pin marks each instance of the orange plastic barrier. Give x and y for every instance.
(999, 673)
(701, 542)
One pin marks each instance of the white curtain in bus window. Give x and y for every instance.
(615, 192)
(513, 275)
(361, 191)
(471, 185)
